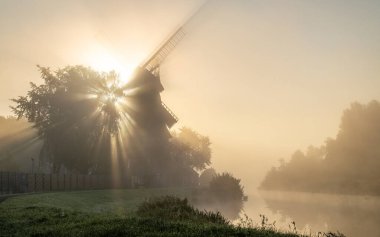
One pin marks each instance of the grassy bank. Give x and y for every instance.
(109, 213)
(118, 201)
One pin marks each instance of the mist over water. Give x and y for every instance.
(352, 215)
(348, 214)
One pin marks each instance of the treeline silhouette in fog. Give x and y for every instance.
(348, 164)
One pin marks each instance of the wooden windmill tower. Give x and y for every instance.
(153, 118)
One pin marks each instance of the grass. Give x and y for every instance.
(116, 213)
(175, 209)
(44, 221)
(118, 201)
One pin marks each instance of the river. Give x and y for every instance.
(354, 216)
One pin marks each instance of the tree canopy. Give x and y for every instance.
(75, 113)
(191, 148)
(347, 164)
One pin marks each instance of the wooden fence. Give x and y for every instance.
(13, 182)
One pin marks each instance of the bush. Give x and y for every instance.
(226, 188)
(206, 177)
(224, 194)
(176, 209)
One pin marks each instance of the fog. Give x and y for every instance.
(19, 144)
(351, 215)
(261, 79)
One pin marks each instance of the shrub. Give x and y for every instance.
(206, 177)
(226, 188)
(224, 194)
(176, 209)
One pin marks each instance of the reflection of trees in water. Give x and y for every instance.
(224, 193)
(353, 216)
(230, 209)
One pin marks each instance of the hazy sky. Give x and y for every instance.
(260, 78)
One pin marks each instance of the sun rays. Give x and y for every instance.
(113, 105)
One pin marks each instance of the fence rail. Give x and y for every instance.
(14, 182)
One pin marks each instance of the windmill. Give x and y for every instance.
(153, 118)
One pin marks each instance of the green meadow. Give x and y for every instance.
(114, 213)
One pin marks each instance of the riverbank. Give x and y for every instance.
(105, 213)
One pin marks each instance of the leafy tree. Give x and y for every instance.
(224, 193)
(75, 113)
(191, 149)
(227, 188)
(206, 177)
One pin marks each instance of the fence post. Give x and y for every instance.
(9, 187)
(35, 183)
(43, 182)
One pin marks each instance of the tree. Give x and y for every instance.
(347, 164)
(206, 177)
(227, 188)
(75, 112)
(191, 149)
(224, 193)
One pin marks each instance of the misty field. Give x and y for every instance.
(109, 213)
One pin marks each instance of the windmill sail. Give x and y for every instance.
(151, 66)
(159, 56)
(153, 62)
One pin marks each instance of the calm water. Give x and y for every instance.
(354, 216)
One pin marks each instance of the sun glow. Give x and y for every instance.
(102, 59)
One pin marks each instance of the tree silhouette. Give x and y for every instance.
(75, 114)
(191, 148)
(347, 164)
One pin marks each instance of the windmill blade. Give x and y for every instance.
(159, 56)
(153, 62)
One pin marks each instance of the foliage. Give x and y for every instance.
(206, 177)
(226, 188)
(72, 110)
(347, 164)
(191, 149)
(176, 209)
(224, 193)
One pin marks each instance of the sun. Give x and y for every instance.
(102, 59)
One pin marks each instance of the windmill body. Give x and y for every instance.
(148, 150)
(149, 157)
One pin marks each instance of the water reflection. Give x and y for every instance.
(354, 216)
(351, 215)
(230, 210)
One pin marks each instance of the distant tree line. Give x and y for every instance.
(348, 164)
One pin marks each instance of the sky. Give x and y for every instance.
(261, 78)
